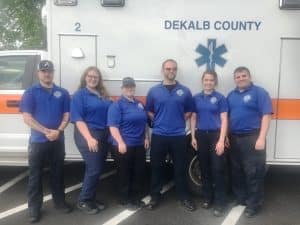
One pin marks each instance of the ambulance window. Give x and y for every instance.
(17, 72)
(289, 4)
(112, 3)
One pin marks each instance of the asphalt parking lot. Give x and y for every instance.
(282, 202)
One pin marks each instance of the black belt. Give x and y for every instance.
(209, 131)
(248, 133)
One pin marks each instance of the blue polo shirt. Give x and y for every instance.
(131, 118)
(89, 108)
(247, 108)
(46, 107)
(169, 108)
(208, 109)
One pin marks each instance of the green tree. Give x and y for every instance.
(21, 25)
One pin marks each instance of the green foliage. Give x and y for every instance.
(21, 25)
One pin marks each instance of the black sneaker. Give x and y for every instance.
(64, 208)
(132, 206)
(87, 207)
(139, 203)
(100, 205)
(238, 202)
(154, 202)
(250, 212)
(206, 204)
(188, 205)
(34, 216)
(124, 201)
(218, 211)
(34, 219)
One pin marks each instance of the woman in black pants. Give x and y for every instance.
(209, 127)
(127, 121)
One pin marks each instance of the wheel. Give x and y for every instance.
(193, 173)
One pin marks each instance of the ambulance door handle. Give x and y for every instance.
(13, 103)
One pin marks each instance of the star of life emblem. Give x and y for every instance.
(211, 55)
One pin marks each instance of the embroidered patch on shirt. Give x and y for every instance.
(179, 92)
(247, 98)
(140, 105)
(213, 100)
(57, 94)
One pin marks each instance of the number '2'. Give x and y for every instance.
(77, 27)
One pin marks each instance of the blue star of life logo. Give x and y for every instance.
(211, 55)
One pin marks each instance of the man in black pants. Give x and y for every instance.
(250, 110)
(45, 109)
(169, 104)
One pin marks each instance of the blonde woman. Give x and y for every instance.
(89, 108)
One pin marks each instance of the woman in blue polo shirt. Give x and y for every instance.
(209, 127)
(89, 108)
(127, 121)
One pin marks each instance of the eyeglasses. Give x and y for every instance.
(92, 77)
(170, 69)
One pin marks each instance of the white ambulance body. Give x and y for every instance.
(17, 72)
(133, 37)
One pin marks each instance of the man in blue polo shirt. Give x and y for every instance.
(45, 108)
(250, 111)
(169, 104)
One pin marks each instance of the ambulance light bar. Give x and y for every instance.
(289, 4)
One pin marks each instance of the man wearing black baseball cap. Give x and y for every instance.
(46, 65)
(45, 108)
(128, 82)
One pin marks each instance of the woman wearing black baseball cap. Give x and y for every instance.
(127, 121)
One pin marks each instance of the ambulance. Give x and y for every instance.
(133, 37)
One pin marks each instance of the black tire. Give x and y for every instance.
(193, 173)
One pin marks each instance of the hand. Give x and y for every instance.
(220, 148)
(260, 144)
(194, 144)
(146, 143)
(46, 131)
(92, 144)
(122, 148)
(227, 142)
(52, 135)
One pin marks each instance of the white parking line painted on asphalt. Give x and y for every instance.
(234, 215)
(127, 213)
(120, 217)
(48, 197)
(12, 182)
